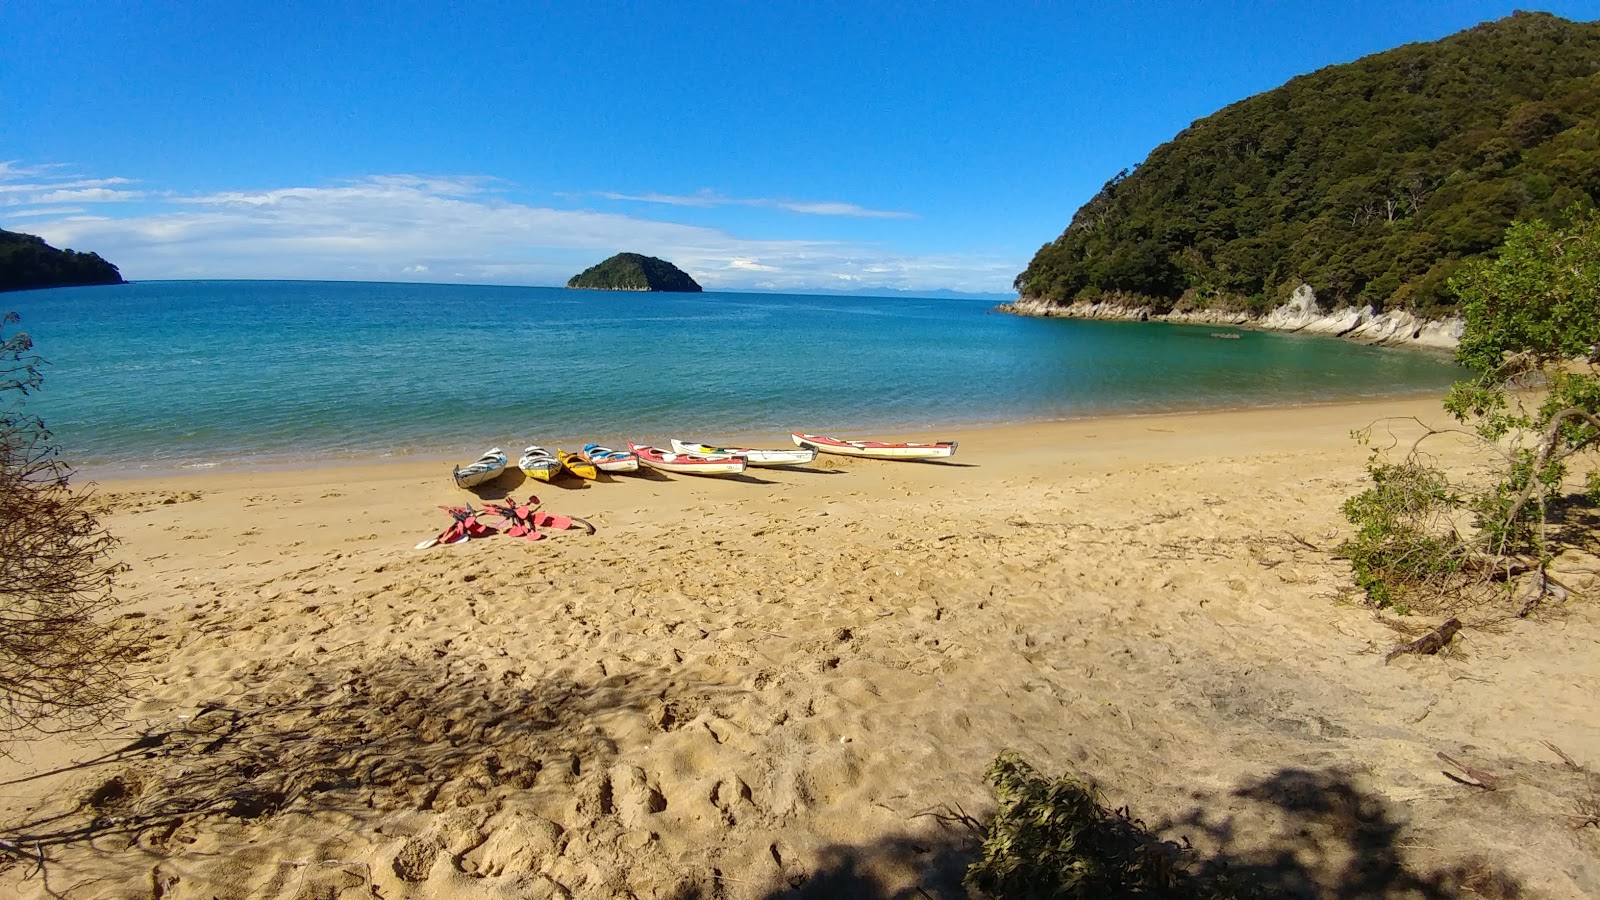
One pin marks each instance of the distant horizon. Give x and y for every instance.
(762, 149)
(892, 293)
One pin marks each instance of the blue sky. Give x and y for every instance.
(760, 146)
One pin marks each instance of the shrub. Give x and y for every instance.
(1531, 318)
(1056, 839)
(60, 664)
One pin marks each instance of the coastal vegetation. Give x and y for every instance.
(1429, 539)
(1056, 838)
(634, 272)
(60, 664)
(1375, 182)
(27, 262)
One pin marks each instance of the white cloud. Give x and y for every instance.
(34, 187)
(708, 198)
(43, 211)
(838, 209)
(453, 228)
(85, 195)
(703, 199)
(11, 169)
(42, 190)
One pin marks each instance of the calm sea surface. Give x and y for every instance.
(164, 375)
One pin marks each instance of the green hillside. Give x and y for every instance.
(28, 262)
(1371, 181)
(634, 272)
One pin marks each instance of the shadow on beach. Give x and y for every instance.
(391, 734)
(1328, 840)
(416, 734)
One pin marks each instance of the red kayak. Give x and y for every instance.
(687, 463)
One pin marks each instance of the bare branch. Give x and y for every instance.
(60, 662)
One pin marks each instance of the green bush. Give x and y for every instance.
(1404, 546)
(1056, 839)
(1531, 318)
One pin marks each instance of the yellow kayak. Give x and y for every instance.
(578, 464)
(537, 463)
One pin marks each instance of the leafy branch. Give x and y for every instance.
(1532, 333)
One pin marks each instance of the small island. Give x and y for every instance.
(27, 262)
(635, 272)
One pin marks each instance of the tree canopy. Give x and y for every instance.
(635, 272)
(1372, 181)
(26, 262)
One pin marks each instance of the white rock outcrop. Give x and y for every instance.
(1395, 328)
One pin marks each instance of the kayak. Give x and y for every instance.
(687, 463)
(578, 464)
(487, 468)
(751, 457)
(539, 463)
(608, 460)
(875, 449)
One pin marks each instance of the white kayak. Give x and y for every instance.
(487, 468)
(608, 460)
(539, 463)
(875, 449)
(751, 456)
(687, 463)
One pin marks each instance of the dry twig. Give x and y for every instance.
(1474, 777)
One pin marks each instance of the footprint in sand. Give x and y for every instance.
(635, 798)
(732, 798)
(415, 860)
(515, 842)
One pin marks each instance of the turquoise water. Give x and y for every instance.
(173, 374)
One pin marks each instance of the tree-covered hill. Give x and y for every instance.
(28, 262)
(1371, 181)
(635, 272)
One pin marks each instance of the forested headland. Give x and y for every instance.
(1371, 181)
(28, 262)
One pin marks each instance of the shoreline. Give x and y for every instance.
(113, 473)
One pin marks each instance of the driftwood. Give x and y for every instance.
(1432, 642)
(1473, 777)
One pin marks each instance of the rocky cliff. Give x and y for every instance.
(1395, 328)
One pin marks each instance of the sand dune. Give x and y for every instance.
(782, 685)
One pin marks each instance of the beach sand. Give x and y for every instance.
(791, 684)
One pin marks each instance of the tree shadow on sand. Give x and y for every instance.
(1329, 839)
(346, 738)
(1325, 838)
(396, 733)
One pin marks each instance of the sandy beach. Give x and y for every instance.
(786, 685)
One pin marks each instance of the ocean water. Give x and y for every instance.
(168, 375)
